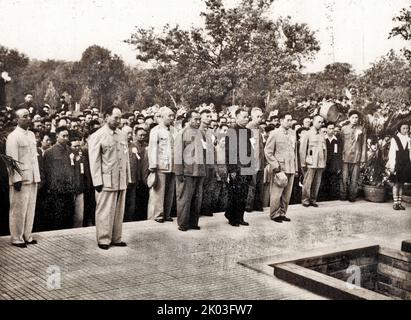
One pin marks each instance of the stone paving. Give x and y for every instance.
(162, 262)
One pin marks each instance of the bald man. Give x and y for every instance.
(160, 159)
(110, 172)
(21, 146)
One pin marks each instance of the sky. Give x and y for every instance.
(63, 29)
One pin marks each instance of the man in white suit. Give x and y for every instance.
(110, 172)
(21, 146)
(161, 161)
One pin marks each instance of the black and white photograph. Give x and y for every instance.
(205, 155)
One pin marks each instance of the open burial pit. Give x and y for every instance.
(372, 273)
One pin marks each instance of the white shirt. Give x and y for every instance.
(392, 154)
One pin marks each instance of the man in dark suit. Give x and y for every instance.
(131, 194)
(142, 189)
(190, 171)
(330, 185)
(240, 166)
(59, 183)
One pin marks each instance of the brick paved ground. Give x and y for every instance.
(164, 263)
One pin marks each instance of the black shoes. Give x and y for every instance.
(195, 227)
(24, 245)
(313, 204)
(169, 219)
(284, 218)
(20, 245)
(398, 206)
(182, 228)
(104, 246)
(243, 223)
(119, 244)
(234, 224)
(278, 220)
(159, 220)
(208, 214)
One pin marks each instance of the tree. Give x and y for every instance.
(103, 72)
(87, 100)
(51, 97)
(238, 53)
(404, 29)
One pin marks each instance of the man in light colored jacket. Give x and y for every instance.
(110, 172)
(313, 157)
(21, 146)
(281, 154)
(160, 159)
(354, 140)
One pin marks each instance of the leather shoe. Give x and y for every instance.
(195, 227)
(243, 223)
(159, 220)
(182, 228)
(31, 242)
(313, 204)
(396, 206)
(209, 214)
(234, 224)
(169, 219)
(402, 207)
(119, 244)
(20, 245)
(306, 205)
(104, 246)
(284, 218)
(278, 219)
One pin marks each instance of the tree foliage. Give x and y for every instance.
(238, 55)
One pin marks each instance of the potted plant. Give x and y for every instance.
(380, 122)
(374, 177)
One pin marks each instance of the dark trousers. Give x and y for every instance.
(189, 198)
(142, 192)
(330, 185)
(210, 187)
(89, 207)
(58, 211)
(350, 177)
(130, 207)
(256, 192)
(237, 198)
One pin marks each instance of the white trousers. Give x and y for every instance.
(22, 209)
(109, 216)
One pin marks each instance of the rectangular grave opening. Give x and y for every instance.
(370, 272)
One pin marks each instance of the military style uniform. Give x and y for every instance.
(313, 156)
(110, 167)
(21, 146)
(354, 142)
(160, 159)
(281, 155)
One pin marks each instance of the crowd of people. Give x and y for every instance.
(85, 168)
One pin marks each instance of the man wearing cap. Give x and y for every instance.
(21, 146)
(313, 158)
(160, 158)
(354, 141)
(110, 172)
(281, 154)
